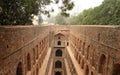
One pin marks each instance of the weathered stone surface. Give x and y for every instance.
(23, 49)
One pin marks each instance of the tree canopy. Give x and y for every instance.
(108, 13)
(59, 19)
(21, 12)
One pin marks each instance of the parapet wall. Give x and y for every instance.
(13, 38)
(108, 35)
(96, 48)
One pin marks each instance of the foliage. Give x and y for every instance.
(40, 20)
(51, 20)
(21, 12)
(59, 19)
(108, 13)
(71, 20)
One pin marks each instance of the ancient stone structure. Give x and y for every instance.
(60, 50)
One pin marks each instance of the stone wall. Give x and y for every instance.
(17, 42)
(96, 48)
(23, 48)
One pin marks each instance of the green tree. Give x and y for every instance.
(51, 20)
(108, 13)
(60, 19)
(72, 20)
(40, 19)
(21, 12)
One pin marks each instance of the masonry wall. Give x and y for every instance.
(21, 44)
(96, 48)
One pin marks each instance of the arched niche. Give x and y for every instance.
(58, 53)
(102, 63)
(58, 73)
(87, 70)
(28, 62)
(58, 64)
(19, 70)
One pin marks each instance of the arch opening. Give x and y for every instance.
(59, 37)
(116, 69)
(59, 43)
(87, 71)
(58, 52)
(92, 73)
(58, 73)
(83, 48)
(82, 64)
(102, 63)
(28, 62)
(33, 56)
(58, 64)
(37, 71)
(79, 59)
(19, 70)
(67, 43)
(87, 54)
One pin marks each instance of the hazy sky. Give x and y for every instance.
(80, 5)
